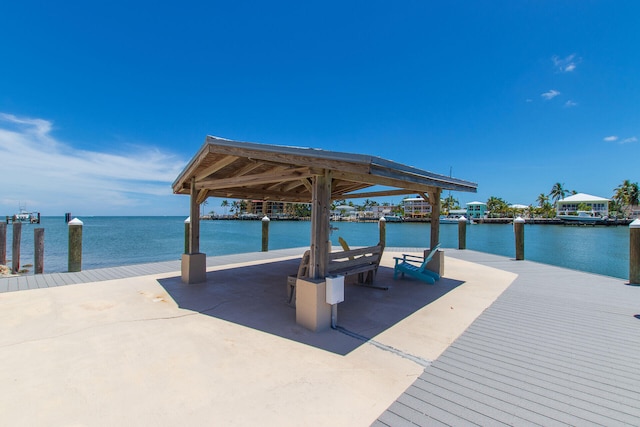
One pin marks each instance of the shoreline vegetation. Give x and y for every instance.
(505, 220)
(622, 209)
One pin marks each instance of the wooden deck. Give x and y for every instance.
(558, 347)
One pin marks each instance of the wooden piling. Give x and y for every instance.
(518, 229)
(38, 250)
(382, 227)
(634, 252)
(462, 233)
(3, 243)
(187, 226)
(15, 247)
(75, 245)
(265, 233)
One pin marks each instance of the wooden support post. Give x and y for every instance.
(434, 201)
(634, 252)
(320, 244)
(75, 245)
(194, 263)
(15, 247)
(518, 229)
(3, 243)
(265, 233)
(382, 227)
(194, 230)
(462, 233)
(38, 250)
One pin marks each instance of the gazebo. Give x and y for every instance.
(245, 170)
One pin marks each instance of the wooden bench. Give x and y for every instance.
(349, 263)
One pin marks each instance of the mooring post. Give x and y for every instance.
(75, 245)
(187, 224)
(382, 227)
(3, 243)
(15, 247)
(38, 250)
(634, 252)
(265, 233)
(518, 229)
(462, 233)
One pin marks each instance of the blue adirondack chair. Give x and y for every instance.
(416, 266)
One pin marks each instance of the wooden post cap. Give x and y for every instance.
(76, 221)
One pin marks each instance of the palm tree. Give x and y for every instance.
(225, 205)
(449, 203)
(557, 192)
(542, 199)
(626, 195)
(496, 205)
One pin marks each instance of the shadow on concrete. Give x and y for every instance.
(256, 297)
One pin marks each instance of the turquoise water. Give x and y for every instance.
(112, 241)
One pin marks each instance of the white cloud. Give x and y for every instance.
(53, 177)
(629, 140)
(570, 103)
(611, 138)
(566, 65)
(550, 95)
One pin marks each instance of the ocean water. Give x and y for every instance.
(113, 241)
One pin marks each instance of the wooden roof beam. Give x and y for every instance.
(225, 161)
(256, 179)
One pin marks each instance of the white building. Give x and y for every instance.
(416, 207)
(569, 205)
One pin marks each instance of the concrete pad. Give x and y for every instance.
(151, 350)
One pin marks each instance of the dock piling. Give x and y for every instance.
(15, 247)
(38, 250)
(518, 228)
(75, 245)
(265, 233)
(3, 243)
(634, 252)
(462, 233)
(187, 225)
(382, 228)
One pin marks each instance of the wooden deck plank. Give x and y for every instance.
(561, 394)
(557, 346)
(496, 403)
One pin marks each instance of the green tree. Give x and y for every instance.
(557, 192)
(626, 196)
(497, 206)
(449, 203)
(542, 199)
(225, 205)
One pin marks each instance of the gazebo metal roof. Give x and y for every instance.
(245, 170)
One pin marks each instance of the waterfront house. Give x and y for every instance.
(476, 209)
(416, 207)
(569, 205)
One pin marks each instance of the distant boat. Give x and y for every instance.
(392, 218)
(451, 219)
(582, 217)
(24, 216)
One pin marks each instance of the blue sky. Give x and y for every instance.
(103, 103)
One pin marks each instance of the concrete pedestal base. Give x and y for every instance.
(194, 268)
(437, 262)
(312, 310)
